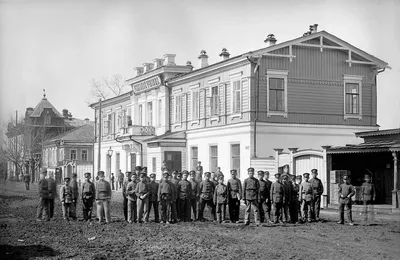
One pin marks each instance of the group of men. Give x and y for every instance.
(182, 196)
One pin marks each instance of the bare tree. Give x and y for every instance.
(107, 87)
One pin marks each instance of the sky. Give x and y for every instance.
(61, 46)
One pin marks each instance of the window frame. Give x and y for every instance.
(214, 112)
(140, 110)
(192, 158)
(193, 104)
(87, 154)
(70, 154)
(234, 93)
(279, 74)
(212, 157)
(232, 157)
(149, 113)
(176, 119)
(352, 79)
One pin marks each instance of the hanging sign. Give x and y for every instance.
(146, 85)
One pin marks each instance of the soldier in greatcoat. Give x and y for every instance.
(318, 190)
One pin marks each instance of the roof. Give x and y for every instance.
(44, 103)
(168, 137)
(83, 134)
(121, 96)
(367, 147)
(325, 34)
(395, 131)
(76, 122)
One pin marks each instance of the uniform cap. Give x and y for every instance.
(306, 175)
(260, 172)
(185, 172)
(298, 177)
(192, 173)
(100, 173)
(179, 174)
(207, 173)
(314, 170)
(165, 174)
(66, 178)
(74, 175)
(285, 177)
(221, 177)
(345, 177)
(233, 171)
(277, 175)
(142, 175)
(153, 175)
(87, 174)
(250, 169)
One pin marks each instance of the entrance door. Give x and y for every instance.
(173, 160)
(383, 185)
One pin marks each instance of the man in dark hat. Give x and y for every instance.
(164, 197)
(251, 190)
(184, 194)
(194, 198)
(142, 193)
(263, 197)
(174, 202)
(295, 214)
(287, 197)
(346, 191)
(153, 200)
(276, 195)
(368, 196)
(306, 193)
(268, 205)
(234, 187)
(120, 179)
(318, 190)
(103, 198)
(75, 194)
(206, 196)
(88, 193)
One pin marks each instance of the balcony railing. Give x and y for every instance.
(138, 130)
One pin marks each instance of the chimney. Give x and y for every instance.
(224, 54)
(203, 59)
(147, 67)
(157, 63)
(189, 64)
(169, 59)
(270, 40)
(138, 71)
(65, 113)
(313, 28)
(86, 121)
(28, 112)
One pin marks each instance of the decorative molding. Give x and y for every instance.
(214, 118)
(176, 91)
(193, 86)
(315, 82)
(214, 80)
(237, 74)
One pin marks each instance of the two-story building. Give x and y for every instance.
(70, 152)
(265, 108)
(126, 121)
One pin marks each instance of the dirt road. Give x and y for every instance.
(21, 237)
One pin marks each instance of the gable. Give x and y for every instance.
(323, 41)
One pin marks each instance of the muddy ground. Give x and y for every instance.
(21, 237)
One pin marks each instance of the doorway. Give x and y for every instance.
(173, 160)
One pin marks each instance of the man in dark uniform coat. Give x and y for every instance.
(276, 195)
(263, 196)
(251, 189)
(206, 196)
(318, 189)
(234, 196)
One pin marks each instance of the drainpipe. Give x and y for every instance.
(257, 106)
(168, 106)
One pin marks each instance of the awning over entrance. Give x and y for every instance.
(174, 139)
(367, 147)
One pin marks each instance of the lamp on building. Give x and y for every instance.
(110, 152)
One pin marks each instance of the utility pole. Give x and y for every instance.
(16, 143)
(99, 141)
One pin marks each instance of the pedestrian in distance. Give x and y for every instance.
(277, 193)
(129, 189)
(88, 194)
(153, 198)
(142, 194)
(306, 193)
(346, 192)
(174, 203)
(368, 196)
(235, 191)
(66, 198)
(184, 195)
(43, 205)
(165, 197)
(194, 198)
(251, 191)
(206, 196)
(318, 190)
(112, 181)
(287, 198)
(199, 172)
(120, 179)
(103, 198)
(221, 199)
(75, 195)
(27, 179)
(52, 193)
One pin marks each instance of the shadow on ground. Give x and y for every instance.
(25, 252)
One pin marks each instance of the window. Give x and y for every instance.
(84, 155)
(73, 155)
(236, 96)
(195, 105)
(178, 108)
(213, 158)
(47, 119)
(194, 154)
(214, 101)
(159, 112)
(117, 162)
(149, 113)
(140, 115)
(119, 119)
(154, 164)
(277, 93)
(235, 158)
(352, 96)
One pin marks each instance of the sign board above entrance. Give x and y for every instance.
(146, 85)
